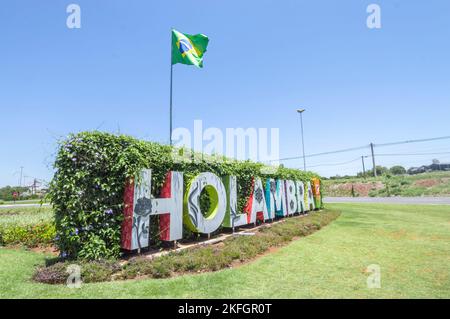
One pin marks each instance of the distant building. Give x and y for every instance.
(436, 166)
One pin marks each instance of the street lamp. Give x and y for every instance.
(300, 111)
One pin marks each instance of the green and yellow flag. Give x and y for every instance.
(188, 49)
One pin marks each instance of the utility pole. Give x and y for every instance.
(34, 187)
(300, 111)
(364, 166)
(21, 175)
(373, 161)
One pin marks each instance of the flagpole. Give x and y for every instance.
(171, 107)
(171, 86)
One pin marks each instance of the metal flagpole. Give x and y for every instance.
(171, 107)
(171, 85)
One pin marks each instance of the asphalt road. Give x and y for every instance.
(330, 200)
(391, 200)
(22, 205)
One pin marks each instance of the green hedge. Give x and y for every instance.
(27, 235)
(27, 226)
(91, 170)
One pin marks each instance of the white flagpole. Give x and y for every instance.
(171, 86)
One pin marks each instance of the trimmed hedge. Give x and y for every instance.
(28, 235)
(88, 186)
(233, 250)
(27, 226)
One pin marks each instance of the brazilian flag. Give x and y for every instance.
(188, 49)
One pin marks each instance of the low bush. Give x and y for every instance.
(193, 260)
(28, 235)
(28, 226)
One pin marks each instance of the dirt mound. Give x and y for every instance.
(360, 189)
(427, 183)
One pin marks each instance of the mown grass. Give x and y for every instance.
(19, 202)
(26, 215)
(411, 244)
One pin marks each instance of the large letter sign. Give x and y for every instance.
(300, 196)
(311, 205)
(275, 198)
(193, 216)
(316, 192)
(279, 198)
(139, 206)
(291, 198)
(232, 217)
(256, 208)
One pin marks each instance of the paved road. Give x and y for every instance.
(22, 205)
(391, 200)
(330, 200)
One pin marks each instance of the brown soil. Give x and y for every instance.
(427, 183)
(50, 250)
(361, 189)
(46, 250)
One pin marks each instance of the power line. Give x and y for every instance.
(413, 154)
(335, 164)
(363, 147)
(326, 153)
(414, 141)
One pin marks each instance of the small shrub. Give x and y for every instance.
(160, 269)
(27, 235)
(55, 274)
(98, 271)
(95, 271)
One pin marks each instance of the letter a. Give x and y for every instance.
(74, 19)
(374, 19)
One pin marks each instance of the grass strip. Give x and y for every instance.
(231, 252)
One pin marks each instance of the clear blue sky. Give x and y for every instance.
(265, 59)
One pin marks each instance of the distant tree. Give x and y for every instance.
(380, 171)
(397, 170)
(6, 193)
(436, 161)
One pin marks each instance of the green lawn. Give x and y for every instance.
(25, 215)
(19, 202)
(411, 244)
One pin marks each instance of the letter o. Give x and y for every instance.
(193, 217)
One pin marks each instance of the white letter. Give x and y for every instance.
(140, 205)
(74, 279)
(182, 152)
(193, 216)
(215, 147)
(274, 155)
(241, 136)
(374, 19)
(374, 280)
(74, 19)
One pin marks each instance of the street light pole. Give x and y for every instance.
(364, 166)
(300, 111)
(21, 175)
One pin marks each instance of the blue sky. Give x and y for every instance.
(265, 59)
